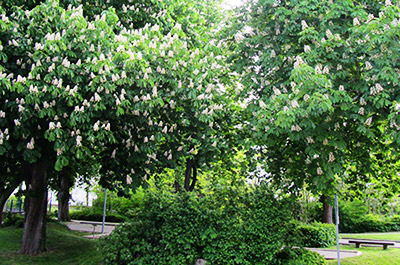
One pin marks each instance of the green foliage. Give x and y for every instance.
(321, 86)
(298, 256)
(316, 234)
(13, 220)
(226, 227)
(93, 215)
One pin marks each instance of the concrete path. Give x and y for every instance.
(332, 253)
(91, 227)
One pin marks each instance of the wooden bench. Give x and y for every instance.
(370, 242)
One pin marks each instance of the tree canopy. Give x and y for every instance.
(321, 83)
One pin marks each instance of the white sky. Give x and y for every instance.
(233, 3)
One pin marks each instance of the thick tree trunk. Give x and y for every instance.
(34, 238)
(63, 199)
(190, 175)
(327, 210)
(5, 194)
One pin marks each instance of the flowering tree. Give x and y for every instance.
(139, 99)
(322, 84)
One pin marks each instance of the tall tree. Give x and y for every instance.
(139, 100)
(321, 84)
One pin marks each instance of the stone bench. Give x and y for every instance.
(370, 242)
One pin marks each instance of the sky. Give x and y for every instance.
(233, 3)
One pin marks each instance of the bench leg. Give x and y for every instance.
(385, 246)
(358, 245)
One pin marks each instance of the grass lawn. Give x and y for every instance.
(63, 247)
(383, 236)
(371, 256)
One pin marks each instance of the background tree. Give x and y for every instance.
(319, 84)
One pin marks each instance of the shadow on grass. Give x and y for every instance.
(63, 247)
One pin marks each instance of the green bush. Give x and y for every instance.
(226, 227)
(91, 215)
(316, 234)
(298, 256)
(354, 218)
(13, 220)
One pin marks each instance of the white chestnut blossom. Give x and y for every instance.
(277, 92)
(304, 24)
(368, 121)
(356, 22)
(96, 126)
(368, 66)
(31, 144)
(78, 140)
(329, 33)
(129, 179)
(331, 157)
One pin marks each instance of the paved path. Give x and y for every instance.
(91, 227)
(332, 253)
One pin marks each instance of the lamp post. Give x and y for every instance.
(337, 228)
(104, 210)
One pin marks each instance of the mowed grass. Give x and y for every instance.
(371, 256)
(395, 236)
(63, 247)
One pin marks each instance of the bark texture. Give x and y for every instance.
(63, 198)
(327, 210)
(34, 237)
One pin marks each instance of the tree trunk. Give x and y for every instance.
(194, 179)
(190, 175)
(34, 237)
(327, 210)
(63, 197)
(5, 194)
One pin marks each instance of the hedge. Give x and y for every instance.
(226, 227)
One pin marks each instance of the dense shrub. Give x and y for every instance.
(91, 215)
(316, 234)
(118, 205)
(354, 218)
(13, 220)
(298, 256)
(226, 227)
